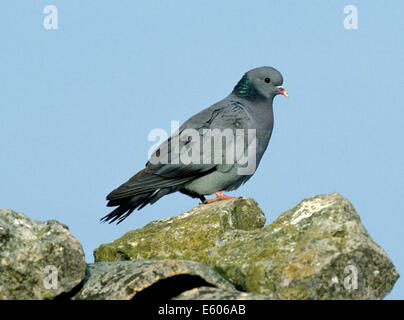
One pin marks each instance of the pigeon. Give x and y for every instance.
(185, 161)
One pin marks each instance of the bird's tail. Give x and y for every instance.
(127, 205)
(143, 188)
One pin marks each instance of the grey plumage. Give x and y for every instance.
(249, 106)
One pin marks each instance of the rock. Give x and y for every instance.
(186, 236)
(209, 293)
(34, 252)
(142, 280)
(317, 250)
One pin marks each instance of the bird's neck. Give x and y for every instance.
(245, 89)
(257, 100)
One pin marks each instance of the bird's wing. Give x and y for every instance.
(226, 119)
(166, 167)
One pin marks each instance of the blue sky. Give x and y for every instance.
(77, 104)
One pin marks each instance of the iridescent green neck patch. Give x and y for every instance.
(245, 88)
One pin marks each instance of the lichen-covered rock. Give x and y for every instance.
(317, 250)
(38, 260)
(186, 236)
(209, 293)
(157, 280)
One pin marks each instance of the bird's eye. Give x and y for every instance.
(267, 80)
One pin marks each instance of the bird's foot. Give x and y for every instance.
(219, 196)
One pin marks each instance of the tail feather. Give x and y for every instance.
(142, 189)
(128, 205)
(144, 182)
(121, 212)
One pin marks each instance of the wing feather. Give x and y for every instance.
(160, 175)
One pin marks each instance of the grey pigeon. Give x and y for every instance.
(248, 108)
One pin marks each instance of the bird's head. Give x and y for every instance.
(264, 82)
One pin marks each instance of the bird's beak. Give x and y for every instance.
(282, 91)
